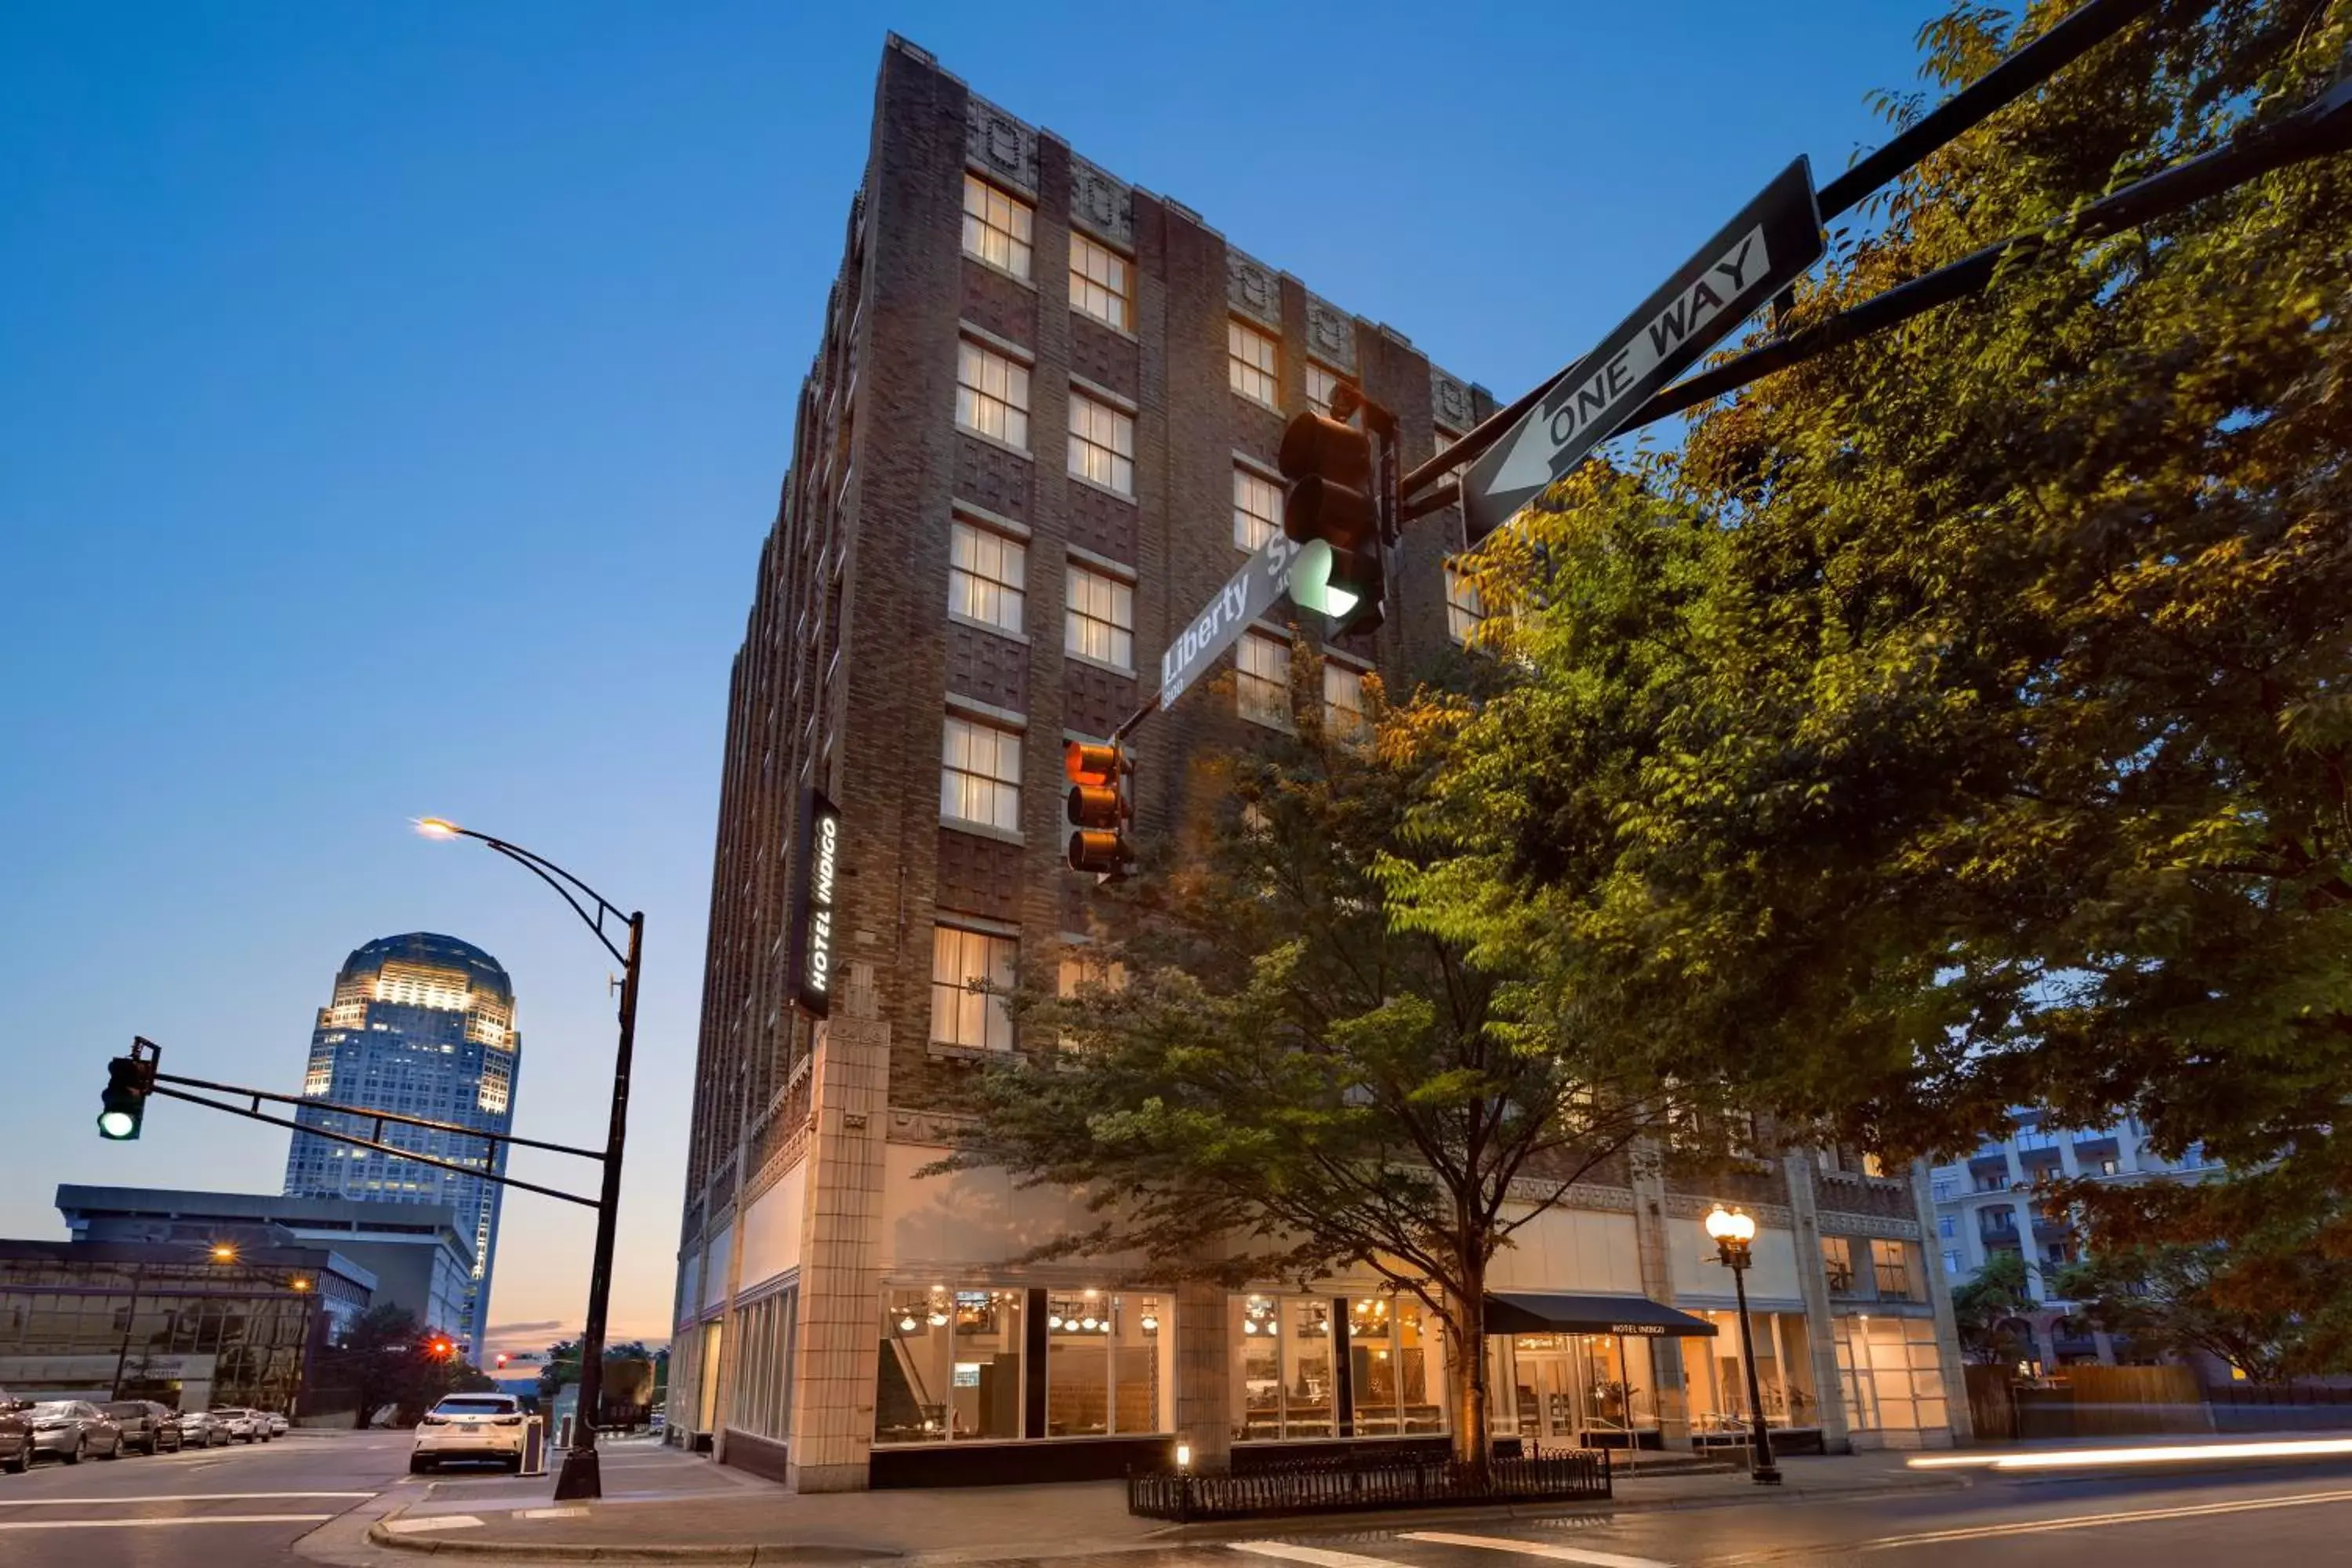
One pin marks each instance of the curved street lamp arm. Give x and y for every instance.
(556, 877)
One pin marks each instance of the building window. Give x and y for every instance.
(1837, 1262)
(1951, 1260)
(1393, 1379)
(1099, 281)
(761, 1399)
(992, 394)
(1891, 1374)
(1947, 1226)
(987, 577)
(995, 226)
(1890, 1266)
(1283, 1362)
(1320, 385)
(1104, 1370)
(1343, 702)
(1102, 444)
(1253, 362)
(960, 1016)
(1257, 509)
(951, 1366)
(1100, 624)
(980, 774)
(1463, 608)
(1262, 686)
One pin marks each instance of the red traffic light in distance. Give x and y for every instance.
(1099, 807)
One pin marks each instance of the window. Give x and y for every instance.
(995, 226)
(1951, 1260)
(1392, 1381)
(980, 774)
(1257, 509)
(991, 394)
(1251, 359)
(1101, 623)
(1464, 609)
(1343, 702)
(1837, 1262)
(1890, 1265)
(1102, 1363)
(1262, 687)
(1283, 1362)
(1097, 281)
(1947, 1226)
(760, 1400)
(1320, 385)
(1102, 444)
(986, 576)
(959, 1015)
(951, 1366)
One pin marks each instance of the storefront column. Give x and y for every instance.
(1650, 1243)
(841, 1275)
(1204, 1375)
(1940, 1296)
(1814, 1286)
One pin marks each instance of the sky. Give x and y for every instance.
(392, 400)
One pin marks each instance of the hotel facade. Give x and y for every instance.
(842, 1321)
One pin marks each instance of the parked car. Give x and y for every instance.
(201, 1429)
(469, 1426)
(73, 1429)
(147, 1427)
(279, 1425)
(240, 1425)
(16, 1435)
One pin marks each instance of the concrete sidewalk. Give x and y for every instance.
(661, 1505)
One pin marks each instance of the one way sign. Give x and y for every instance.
(1775, 238)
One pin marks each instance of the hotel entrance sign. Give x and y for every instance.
(814, 877)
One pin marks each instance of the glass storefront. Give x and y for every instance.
(1718, 1381)
(956, 1364)
(1892, 1374)
(1578, 1390)
(1286, 1366)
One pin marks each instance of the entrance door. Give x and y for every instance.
(1546, 1390)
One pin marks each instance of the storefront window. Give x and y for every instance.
(1582, 1389)
(1102, 1363)
(1392, 1384)
(1893, 1377)
(1282, 1357)
(984, 1382)
(1309, 1396)
(1784, 1376)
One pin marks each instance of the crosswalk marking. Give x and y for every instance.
(1534, 1549)
(164, 1497)
(163, 1522)
(1315, 1554)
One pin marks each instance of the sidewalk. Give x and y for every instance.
(662, 1505)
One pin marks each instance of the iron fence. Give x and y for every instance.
(1568, 1474)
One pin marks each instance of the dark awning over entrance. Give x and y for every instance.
(1515, 1313)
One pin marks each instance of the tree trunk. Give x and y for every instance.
(1473, 1445)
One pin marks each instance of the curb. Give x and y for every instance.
(1170, 1539)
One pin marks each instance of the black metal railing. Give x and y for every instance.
(1565, 1474)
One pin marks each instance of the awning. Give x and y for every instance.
(1515, 1313)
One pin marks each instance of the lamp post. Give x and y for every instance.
(581, 1474)
(303, 1286)
(1734, 1233)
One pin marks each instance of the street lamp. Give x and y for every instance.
(581, 1476)
(1734, 1232)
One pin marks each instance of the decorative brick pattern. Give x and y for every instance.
(1104, 358)
(1000, 304)
(994, 478)
(1330, 334)
(1449, 402)
(1102, 523)
(1095, 701)
(987, 668)
(1005, 147)
(976, 876)
(1102, 204)
(1252, 289)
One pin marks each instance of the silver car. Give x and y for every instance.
(279, 1425)
(201, 1429)
(239, 1425)
(72, 1430)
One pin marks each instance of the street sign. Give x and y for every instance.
(1250, 595)
(1773, 239)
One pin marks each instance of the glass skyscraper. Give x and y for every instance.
(422, 1026)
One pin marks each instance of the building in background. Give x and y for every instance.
(423, 1026)
(1986, 1206)
(167, 1320)
(421, 1255)
(1049, 401)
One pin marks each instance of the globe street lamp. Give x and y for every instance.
(581, 1476)
(1734, 1232)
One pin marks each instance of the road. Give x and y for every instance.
(247, 1504)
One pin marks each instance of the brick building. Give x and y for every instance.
(1047, 399)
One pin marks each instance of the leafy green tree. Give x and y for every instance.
(1265, 1076)
(384, 1358)
(1960, 719)
(1983, 1309)
(2164, 1300)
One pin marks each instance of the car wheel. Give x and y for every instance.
(418, 1464)
(24, 1459)
(115, 1452)
(81, 1446)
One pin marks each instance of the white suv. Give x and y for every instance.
(469, 1426)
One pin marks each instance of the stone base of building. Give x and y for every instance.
(825, 1478)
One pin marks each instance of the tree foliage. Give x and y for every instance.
(383, 1359)
(2176, 1300)
(1963, 719)
(1984, 1308)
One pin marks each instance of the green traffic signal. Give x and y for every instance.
(124, 1104)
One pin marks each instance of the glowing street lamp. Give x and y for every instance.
(1734, 1233)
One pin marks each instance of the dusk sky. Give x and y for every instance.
(393, 399)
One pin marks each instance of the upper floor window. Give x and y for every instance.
(962, 962)
(991, 393)
(1320, 385)
(1890, 1267)
(987, 577)
(1257, 509)
(1262, 683)
(1102, 444)
(980, 774)
(995, 226)
(1099, 281)
(1101, 619)
(1463, 608)
(1343, 702)
(1255, 361)
(1837, 1263)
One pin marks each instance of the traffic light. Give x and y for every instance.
(1100, 808)
(1331, 508)
(502, 1361)
(128, 1080)
(440, 1347)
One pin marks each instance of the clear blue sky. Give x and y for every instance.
(392, 400)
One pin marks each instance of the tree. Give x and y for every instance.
(561, 1366)
(2165, 1300)
(1262, 1076)
(384, 1358)
(1984, 1307)
(1968, 707)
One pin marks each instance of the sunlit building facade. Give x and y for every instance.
(421, 1025)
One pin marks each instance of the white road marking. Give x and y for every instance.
(2043, 1526)
(187, 1519)
(1315, 1554)
(1534, 1549)
(163, 1497)
(549, 1512)
(437, 1521)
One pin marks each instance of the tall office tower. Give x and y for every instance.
(423, 1026)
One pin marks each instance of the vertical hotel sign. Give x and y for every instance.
(814, 928)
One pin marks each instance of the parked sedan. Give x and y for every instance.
(147, 1427)
(73, 1429)
(239, 1425)
(16, 1435)
(201, 1429)
(278, 1424)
